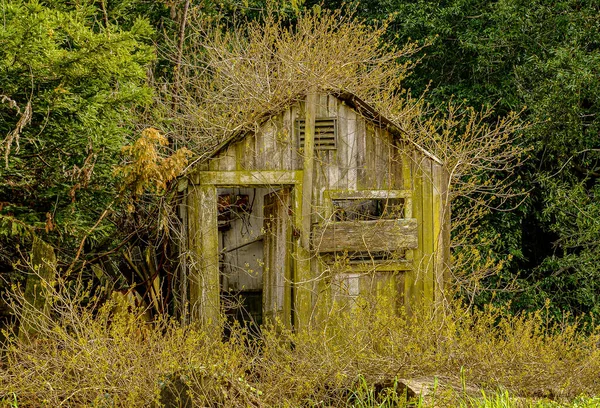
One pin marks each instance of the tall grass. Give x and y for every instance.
(111, 355)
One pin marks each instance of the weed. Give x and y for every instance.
(110, 355)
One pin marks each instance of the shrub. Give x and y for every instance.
(110, 355)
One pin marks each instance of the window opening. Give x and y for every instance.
(367, 209)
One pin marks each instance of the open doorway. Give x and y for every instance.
(255, 254)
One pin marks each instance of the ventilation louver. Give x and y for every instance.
(325, 133)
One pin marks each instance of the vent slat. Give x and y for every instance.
(325, 133)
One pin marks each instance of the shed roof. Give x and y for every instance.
(360, 106)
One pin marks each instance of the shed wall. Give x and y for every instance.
(367, 158)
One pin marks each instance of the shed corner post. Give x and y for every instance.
(203, 246)
(443, 217)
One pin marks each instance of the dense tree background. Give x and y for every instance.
(75, 82)
(544, 56)
(72, 77)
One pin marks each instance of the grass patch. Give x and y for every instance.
(109, 355)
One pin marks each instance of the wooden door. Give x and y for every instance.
(277, 294)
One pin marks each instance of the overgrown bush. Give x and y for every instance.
(111, 355)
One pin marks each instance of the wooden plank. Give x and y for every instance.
(361, 159)
(319, 184)
(397, 167)
(356, 130)
(345, 289)
(333, 168)
(368, 194)
(203, 248)
(407, 175)
(279, 145)
(381, 163)
(369, 167)
(227, 159)
(385, 266)
(268, 152)
(276, 276)
(441, 228)
(182, 298)
(412, 280)
(247, 178)
(342, 143)
(259, 149)
(240, 153)
(285, 138)
(213, 163)
(429, 238)
(389, 160)
(379, 235)
(308, 164)
(305, 284)
(302, 295)
(247, 152)
(297, 158)
(322, 106)
(400, 290)
(332, 106)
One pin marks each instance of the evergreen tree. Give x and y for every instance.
(71, 76)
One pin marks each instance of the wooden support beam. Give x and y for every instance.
(366, 194)
(304, 285)
(383, 266)
(428, 242)
(203, 278)
(308, 165)
(441, 221)
(182, 300)
(413, 280)
(247, 178)
(301, 264)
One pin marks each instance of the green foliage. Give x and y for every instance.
(544, 55)
(70, 79)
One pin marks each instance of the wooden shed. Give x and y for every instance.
(325, 201)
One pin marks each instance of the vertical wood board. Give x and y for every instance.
(276, 292)
(204, 252)
(429, 233)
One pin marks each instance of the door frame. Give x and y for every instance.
(203, 246)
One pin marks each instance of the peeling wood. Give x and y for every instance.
(370, 236)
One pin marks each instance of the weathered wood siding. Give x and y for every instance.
(271, 147)
(430, 206)
(368, 158)
(379, 235)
